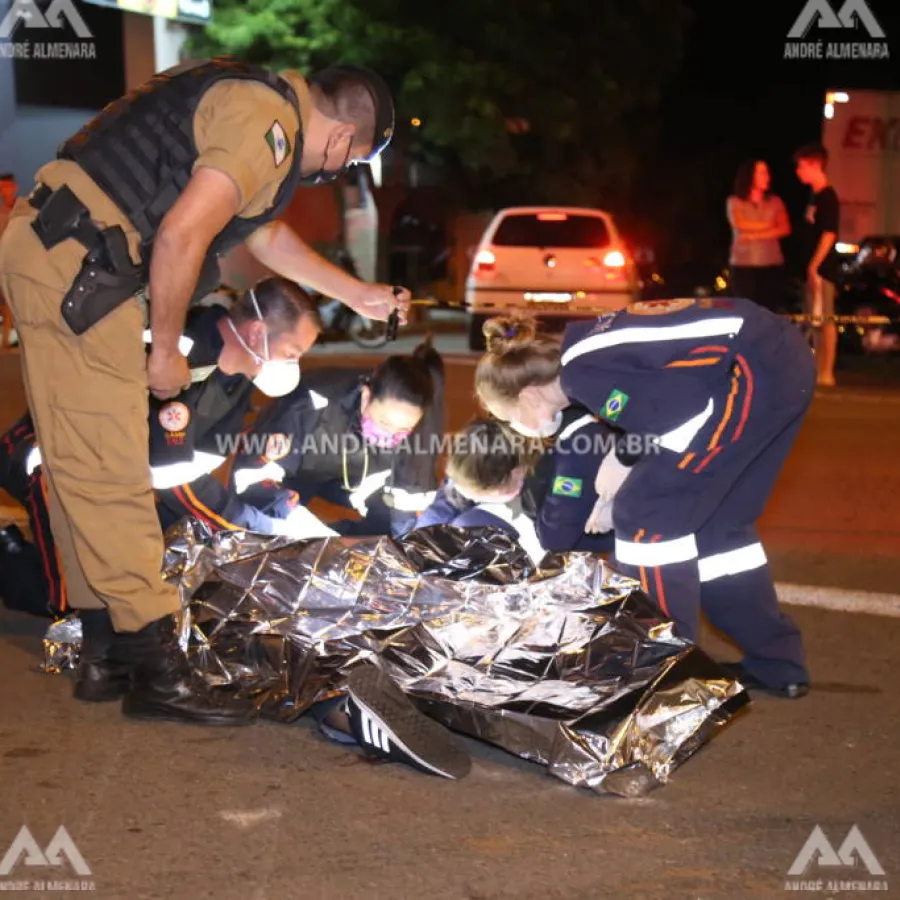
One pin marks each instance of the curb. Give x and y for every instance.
(839, 599)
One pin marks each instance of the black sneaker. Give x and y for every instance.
(792, 691)
(387, 726)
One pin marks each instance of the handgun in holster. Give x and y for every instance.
(108, 277)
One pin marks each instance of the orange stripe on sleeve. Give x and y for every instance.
(709, 350)
(661, 594)
(748, 395)
(729, 409)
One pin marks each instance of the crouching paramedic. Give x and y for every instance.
(363, 440)
(258, 343)
(147, 195)
(723, 386)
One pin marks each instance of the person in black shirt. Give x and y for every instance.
(822, 224)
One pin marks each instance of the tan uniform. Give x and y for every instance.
(88, 394)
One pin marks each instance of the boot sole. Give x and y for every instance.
(147, 711)
(424, 739)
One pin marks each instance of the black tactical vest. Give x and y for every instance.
(140, 151)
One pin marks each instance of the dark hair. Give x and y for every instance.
(484, 455)
(411, 379)
(812, 152)
(282, 304)
(349, 100)
(743, 180)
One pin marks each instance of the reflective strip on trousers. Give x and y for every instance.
(175, 474)
(732, 562)
(661, 553)
(244, 478)
(704, 328)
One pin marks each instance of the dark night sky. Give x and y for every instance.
(737, 97)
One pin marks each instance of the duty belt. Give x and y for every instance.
(62, 215)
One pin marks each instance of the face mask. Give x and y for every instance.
(276, 377)
(379, 436)
(324, 176)
(545, 429)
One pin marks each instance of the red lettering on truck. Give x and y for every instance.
(872, 133)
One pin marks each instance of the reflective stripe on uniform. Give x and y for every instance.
(170, 476)
(660, 553)
(367, 487)
(732, 562)
(318, 400)
(730, 325)
(244, 478)
(679, 439)
(578, 424)
(412, 501)
(33, 460)
(184, 342)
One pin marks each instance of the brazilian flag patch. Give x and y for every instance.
(567, 487)
(614, 405)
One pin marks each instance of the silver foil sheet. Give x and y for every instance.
(567, 665)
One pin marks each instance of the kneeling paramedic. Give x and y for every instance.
(722, 386)
(145, 198)
(367, 441)
(257, 342)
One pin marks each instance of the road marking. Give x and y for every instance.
(839, 599)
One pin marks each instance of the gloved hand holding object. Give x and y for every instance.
(611, 476)
(301, 525)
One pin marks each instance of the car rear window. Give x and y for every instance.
(533, 230)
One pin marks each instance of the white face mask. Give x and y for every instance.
(276, 377)
(545, 429)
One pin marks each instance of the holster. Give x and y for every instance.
(107, 278)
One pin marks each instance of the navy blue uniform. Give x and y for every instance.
(189, 439)
(193, 435)
(562, 487)
(20, 477)
(312, 444)
(451, 508)
(724, 385)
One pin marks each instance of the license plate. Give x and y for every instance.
(548, 297)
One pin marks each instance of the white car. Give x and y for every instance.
(551, 261)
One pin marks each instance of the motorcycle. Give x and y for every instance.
(871, 288)
(339, 322)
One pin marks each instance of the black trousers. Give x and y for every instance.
(764, 285)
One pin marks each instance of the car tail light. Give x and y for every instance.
(552, 217)
(485, 262)
(615, 259)
(893, 295)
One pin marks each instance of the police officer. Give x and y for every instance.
(149, 194)
(723, 386)
(363, 440)
(190, 438)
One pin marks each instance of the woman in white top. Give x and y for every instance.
(758, 221)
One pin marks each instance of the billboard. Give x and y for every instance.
(195, 12)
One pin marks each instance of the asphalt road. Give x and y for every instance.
(168, 811)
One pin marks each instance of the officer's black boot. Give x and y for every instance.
(100, 677)
(162, 684)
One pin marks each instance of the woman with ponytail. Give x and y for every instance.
(709, 396)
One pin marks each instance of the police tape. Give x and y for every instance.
(807, 318)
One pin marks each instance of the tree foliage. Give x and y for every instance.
(584, 77)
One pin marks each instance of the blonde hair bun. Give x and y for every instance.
(505, 333)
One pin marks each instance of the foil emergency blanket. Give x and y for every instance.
(568, 665)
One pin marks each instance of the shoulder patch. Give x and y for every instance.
(278, 143)
(277, 447)
(615, 403)
(660, 307)
(174, 416)
(567, 487)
